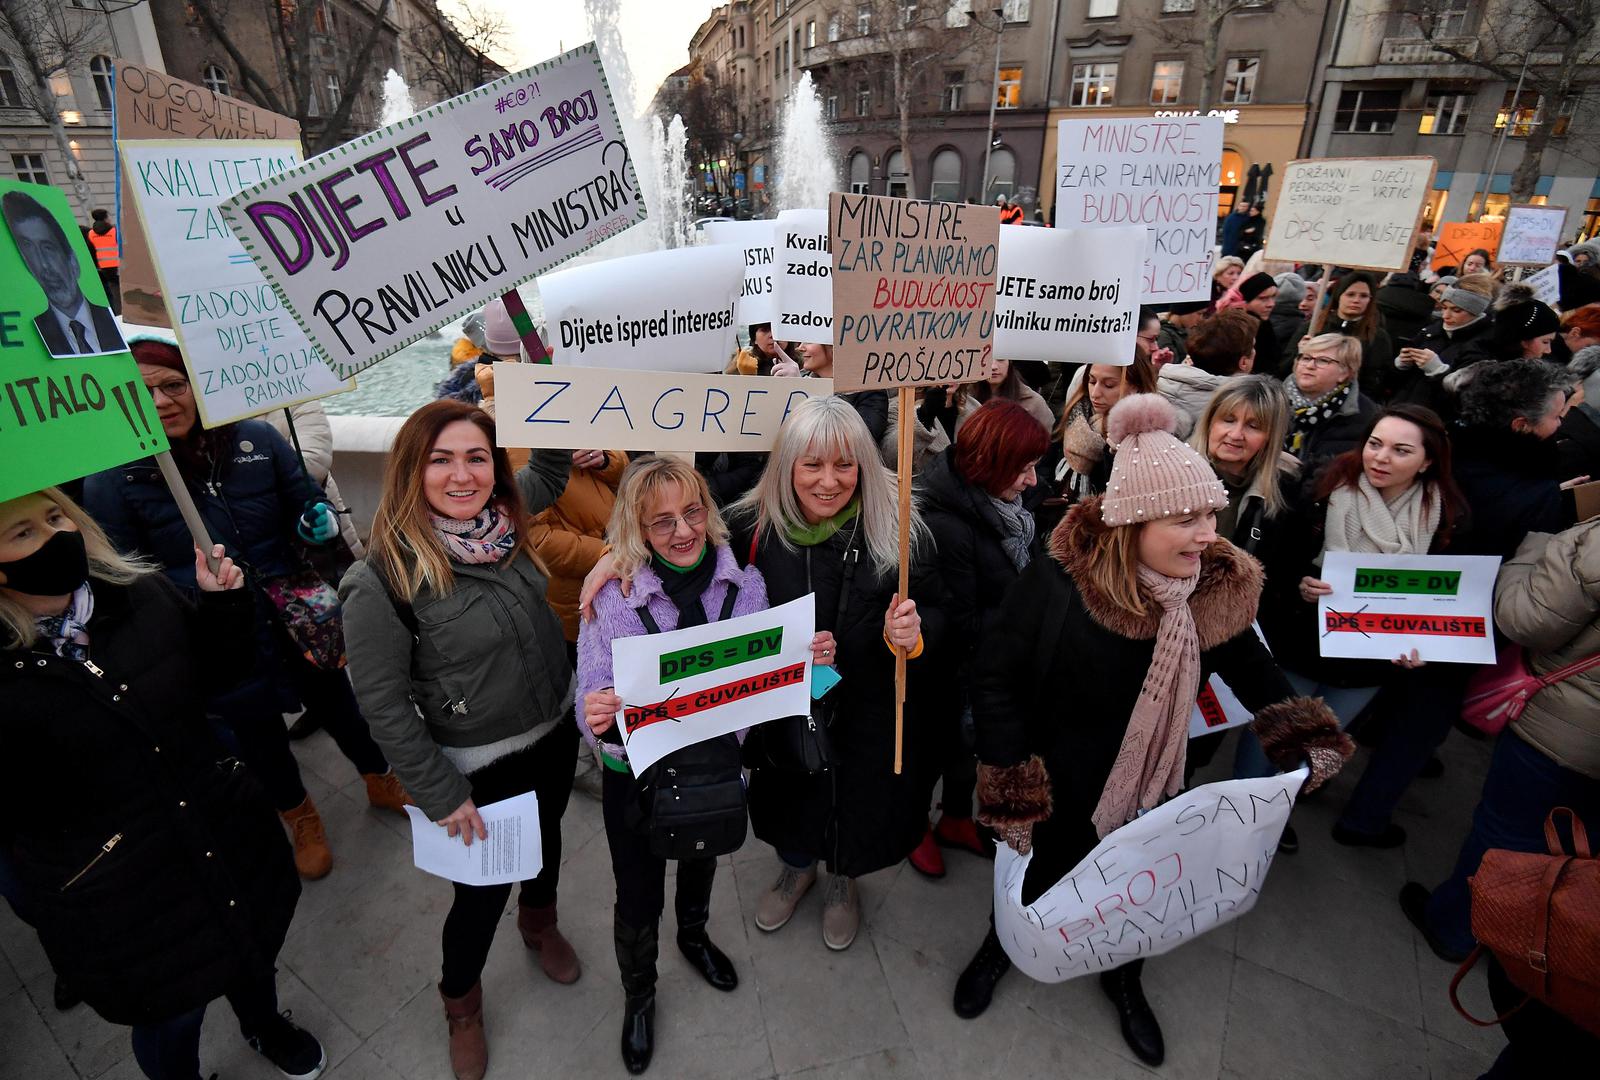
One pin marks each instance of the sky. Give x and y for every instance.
(655, 34)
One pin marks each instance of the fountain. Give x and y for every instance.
(396, 99)
(806, 170)
(673, 218)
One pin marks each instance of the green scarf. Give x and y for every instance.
(812, 535)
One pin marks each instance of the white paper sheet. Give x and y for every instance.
(513, 851)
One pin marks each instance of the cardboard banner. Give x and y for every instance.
(245, 355)
(1070, 295)
(574, 408)
(1190, 865)
(71, 400)
(913, 290)
(381, 241)
(755, 239)
(1530, 235)
(661, 311)
(802, 277)
(1161, 173)
(1361, 213)
(1455, 240)
(1386, 605)
(685, 686)
(151, 104)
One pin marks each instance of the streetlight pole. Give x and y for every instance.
(1494, 162)
(994, 96)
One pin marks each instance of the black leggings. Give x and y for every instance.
(170, 1049)
(546, 769)
(641, 876)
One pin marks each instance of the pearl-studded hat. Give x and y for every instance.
(1153, 475)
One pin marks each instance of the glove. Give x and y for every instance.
(1012, 799)
(318, 524)
(1018, 837)
(1303, 730)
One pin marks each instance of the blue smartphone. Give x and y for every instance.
(823, 679)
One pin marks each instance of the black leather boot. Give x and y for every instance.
(693, 905)
(636, 960)
(1140, 1029)
(975, 987)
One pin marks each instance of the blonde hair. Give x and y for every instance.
(1225, 262)
(1113, 563)
(18, 625)
(641, 482)
(831, 425)
(1345, 349)
(1268, 402)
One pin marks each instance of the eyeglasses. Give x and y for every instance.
(693, 517)
(1319, 361)
(173, 388)
(1150, 339)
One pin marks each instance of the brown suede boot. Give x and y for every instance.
(386, 792)
(541, 934)
(312, 856)
(469, 1050)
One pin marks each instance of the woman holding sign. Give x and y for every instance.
(668, 539)
(461, 669)
(1139, 590)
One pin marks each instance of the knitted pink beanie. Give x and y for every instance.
(1153, 475)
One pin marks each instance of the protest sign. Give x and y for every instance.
(1070, 295)
(802, 284)
(245, 354)
(1357, 212)
(381, 241)
(661, 311)
(685, 686)
(151, 104)
(755, 239)
(1586, 497)
(64, 412)
(1455, 240)
(1190, 865)
(573, 408)
(1162, 173)
(1530, 235)
(1218, 708)
(1546, 285)
(1386, 605)
(913, 290)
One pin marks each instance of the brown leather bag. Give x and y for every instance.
(1540, 916)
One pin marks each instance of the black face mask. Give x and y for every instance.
(56, 569)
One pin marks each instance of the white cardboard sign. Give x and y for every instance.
(1383, 606)
(802, 278)
(1161, 173)
(1190, 865)
(245, 354)
(685, 686)
(379, 242)
(1359, 212)
(1531, 235)
(572, 408)
(1546, 285)
(661, 311)
(1070, 295)
(754, 238)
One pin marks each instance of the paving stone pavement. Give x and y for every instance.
(1323, 979)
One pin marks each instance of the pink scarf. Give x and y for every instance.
(1149, 765)
(485, 539)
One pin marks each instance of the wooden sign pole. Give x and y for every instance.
(537, 353)
(1320, 312)
(186, 507)
(907, 433)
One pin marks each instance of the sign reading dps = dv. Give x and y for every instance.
(686, 686)
(71, 400)
(1357, 212)
(378, 242)
(1385, 605)
(913, 291)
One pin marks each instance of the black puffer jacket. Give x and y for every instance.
(153, 868)
(1411, 385)
(1510, 484)
(860, 817)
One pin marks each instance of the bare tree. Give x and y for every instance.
(710, 114)
(297, 31)
(456, 54)
(1546, 45)
(1203, 31)
(51, 39)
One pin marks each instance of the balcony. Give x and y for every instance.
(1411, 50)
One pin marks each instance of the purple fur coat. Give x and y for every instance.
(616, 616)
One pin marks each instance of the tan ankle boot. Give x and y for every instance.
(541, 934)
(469, 1050)
(312, 856)
(385, 791)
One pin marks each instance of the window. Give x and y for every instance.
(1444, 20)
(1166, 82)
(833, 27)
(863, 20)
(863, 98)
(908, 12)
(1445, 114)
(811, 33)
(830, 107)
(1102, 9)
(213, 78)
(1367, 111)
(1176, 7)
(1016, 10)
(10, 92)
(1239, 81)
(100, 72)
(1093, 85)
(955, 85)
(333, 91)
(894, 168)
(860, 173)
(30, 168)
(946, 183)
(1528, 112)
(1008, 91)
(1002, 174)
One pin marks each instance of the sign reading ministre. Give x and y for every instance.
(1356, 212)
(913, 291)
(383, 240)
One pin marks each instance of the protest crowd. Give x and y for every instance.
(1091, 547)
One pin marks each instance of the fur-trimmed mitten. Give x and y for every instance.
(1014, 798)
(1303, 729)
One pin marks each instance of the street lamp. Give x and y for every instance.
(994, 90)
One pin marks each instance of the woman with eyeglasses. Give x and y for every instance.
(1328, 412)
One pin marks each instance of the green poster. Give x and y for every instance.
(71, 400)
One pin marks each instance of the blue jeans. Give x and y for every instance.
(1250, 762)
(1421, 705)
(1522, 787)
(170, 1050)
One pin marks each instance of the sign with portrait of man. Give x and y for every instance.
(76, 320)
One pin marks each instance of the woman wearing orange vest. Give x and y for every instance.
(102, 237)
